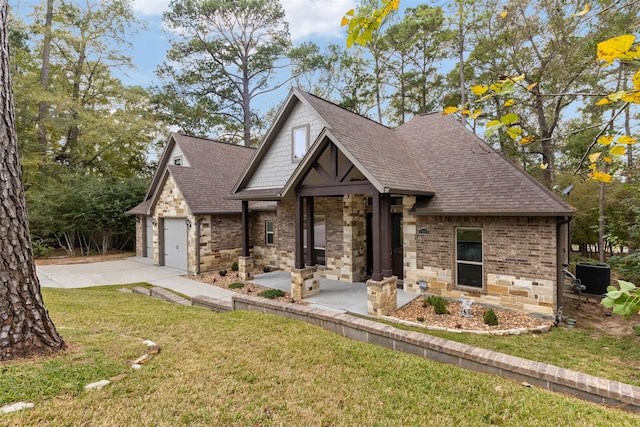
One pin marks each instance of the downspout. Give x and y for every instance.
(562, 245)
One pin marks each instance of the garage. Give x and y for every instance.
(148, 237)
(175, 243)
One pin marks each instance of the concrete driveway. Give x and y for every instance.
(123, 272)
(334, 295)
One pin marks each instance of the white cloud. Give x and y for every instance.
(150, 7)
(316, 18)
(307, 18)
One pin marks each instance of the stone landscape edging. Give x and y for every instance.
(550, 377)
(514, 331)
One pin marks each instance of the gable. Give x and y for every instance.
(278, 164)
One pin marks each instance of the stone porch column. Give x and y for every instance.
(245, 267)
(382, 296)
(304, 282)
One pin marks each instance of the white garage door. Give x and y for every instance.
(149, 237)
(175, 243)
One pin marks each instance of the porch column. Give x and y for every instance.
(376, 273)
(299, 230)
(304, 281)
(385, 232)
(310, 259)
(245, 228)
(245, 262)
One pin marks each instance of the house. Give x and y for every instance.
(428, 206)
(185, 221)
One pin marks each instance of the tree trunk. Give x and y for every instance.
(25, 326)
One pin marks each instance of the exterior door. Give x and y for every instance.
(175, 243)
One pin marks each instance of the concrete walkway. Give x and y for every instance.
(334, 295)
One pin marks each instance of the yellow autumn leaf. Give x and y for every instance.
(594, 157)
(636, 80)
(465, 112)
(603, 101)
(614, 48)
(518, 78)
(479, 89)
(351, 12)
(531, 86)
(450, 110)
(476, 113)
(509, 102)
(605, 140)
(544, 166)
(514, 132)
(607, 159)
(395, 4)
(626, 139)
(345, 21)
(593, 166)
(526, 140)
(583, 12)
(503, 14)
(617, 150)
(633, 97)
(601, 176)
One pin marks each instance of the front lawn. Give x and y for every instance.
(247, 368)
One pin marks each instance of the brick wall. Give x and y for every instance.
(519, 260)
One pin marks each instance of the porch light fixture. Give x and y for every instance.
(153, 221)
(188, 222)
(138, 219)
(422, 284)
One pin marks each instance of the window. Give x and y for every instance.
(177, 161)
(300, 142)
(268, 227)
(469, 256)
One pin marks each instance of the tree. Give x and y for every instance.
(25, 328)
(227, 54)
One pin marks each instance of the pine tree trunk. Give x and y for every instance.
(25, 326)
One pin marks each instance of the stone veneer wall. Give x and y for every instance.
(220, 241)
(519, 260)
(262, 253)
(354, 254)
(140, 241)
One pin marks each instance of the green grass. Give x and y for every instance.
(248, 369)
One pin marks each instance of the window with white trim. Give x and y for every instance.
(469, 268)
(299, 142)
(177, 161)
(269, 234)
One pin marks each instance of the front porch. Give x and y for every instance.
(335, 295)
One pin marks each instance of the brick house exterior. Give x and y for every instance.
(428, 206)
(185, 222)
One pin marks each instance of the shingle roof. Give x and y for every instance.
(377, 148)
(434, 155)
(213, 169)
(470, 177)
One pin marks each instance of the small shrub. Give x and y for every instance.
(636, 330)
(222, 273)
(438, 303)
(234, 266)
(266, 269)
(271, 293)
(425, 302)
(420, 319)
(627, 267)
(41, 250)
(490, 318)
(236, 285)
